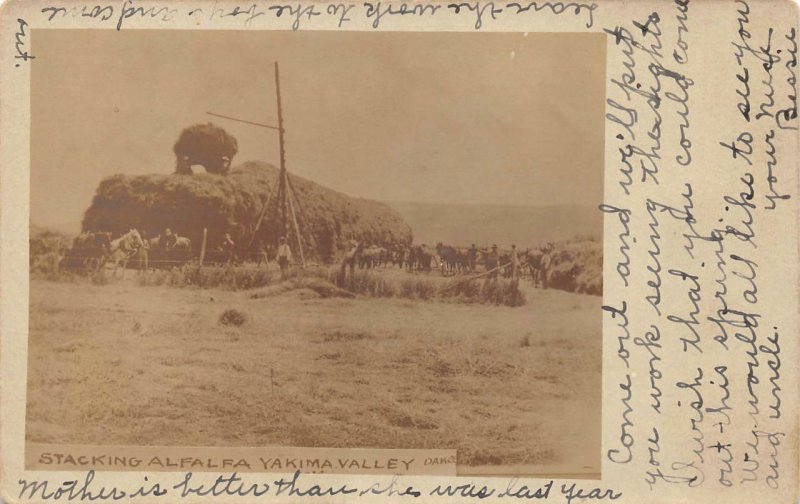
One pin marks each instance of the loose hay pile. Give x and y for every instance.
(232, 203)
(578, 267)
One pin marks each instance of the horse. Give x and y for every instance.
(373, 257)
(453, 259)
(166, 255)
(539, 264)
(180, 243)
(400, 256)
(351, 258)
(411, 258)
(123, 248)
(424, 256)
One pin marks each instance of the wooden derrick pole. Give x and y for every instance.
(300, 210)
(203, 246)
(297, 232)
(284, 194)
(258, 222)
(282, 199)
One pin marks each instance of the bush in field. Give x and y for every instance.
(46, 249)
(232, 317)
(469, 290)
(512, 295)
(226, 277)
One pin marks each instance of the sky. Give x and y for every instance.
(485, 118)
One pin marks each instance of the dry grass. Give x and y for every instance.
(328, 282)
(376, 283)
(226, 277)
(124, 364)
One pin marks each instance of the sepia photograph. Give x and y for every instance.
(384, 240)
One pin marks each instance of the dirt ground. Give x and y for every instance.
(126, 364)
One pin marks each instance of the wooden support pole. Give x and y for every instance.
(258, 222)
(297, 231)
(281, 131)
(282, 203)
(300, 210)
(203, 246)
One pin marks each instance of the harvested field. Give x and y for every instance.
(502, 385)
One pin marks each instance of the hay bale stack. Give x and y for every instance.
(232, 203)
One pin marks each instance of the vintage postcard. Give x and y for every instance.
(399, 251)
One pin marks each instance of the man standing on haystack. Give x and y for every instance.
(284, 255)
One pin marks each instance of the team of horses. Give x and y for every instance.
(449, 259)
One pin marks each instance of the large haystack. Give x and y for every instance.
(232, 203)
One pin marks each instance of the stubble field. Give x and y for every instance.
(127, 364)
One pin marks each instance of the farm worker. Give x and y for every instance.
(228, 246)
(284, 254)
(472, 257)
(261, 253)
(492, 258)
(170, 239)
(143, 253)
(545, 265)
(514, 262)
(349, 260)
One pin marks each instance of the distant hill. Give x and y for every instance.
(525, 226)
